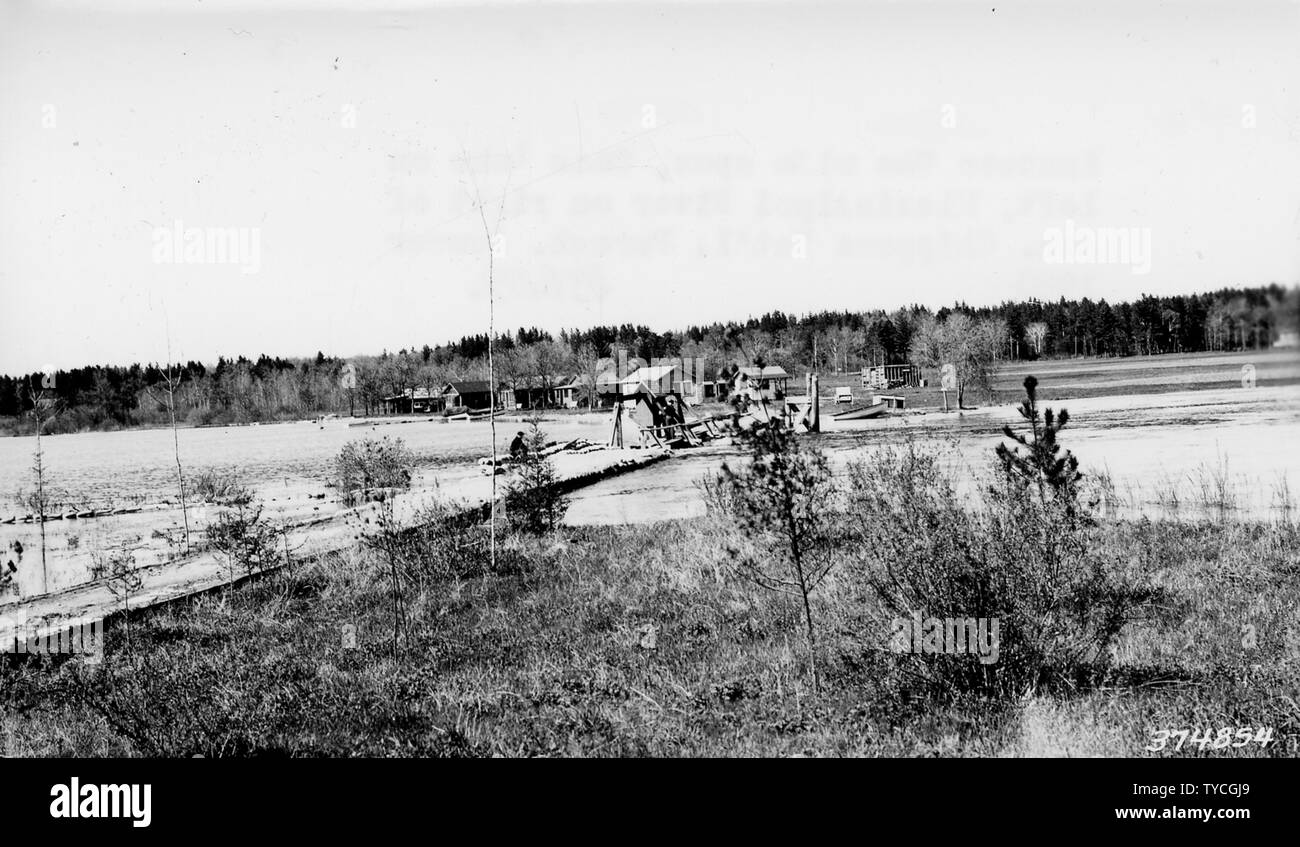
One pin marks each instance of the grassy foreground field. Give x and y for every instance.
(640, 641)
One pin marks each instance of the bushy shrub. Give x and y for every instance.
(220, 487)
(44, 500)
(1019, 559)
(244, 538)
(371, 468)
(10, 559)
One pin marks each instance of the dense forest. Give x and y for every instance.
(271, 388)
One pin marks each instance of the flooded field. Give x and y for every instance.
(1165, 455)
(1173, 454)
(101, 468)
(286, 465)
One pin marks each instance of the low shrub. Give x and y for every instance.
(244, 538)
(219, 487)
(371, 468)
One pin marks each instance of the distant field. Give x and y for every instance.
(1064, 379)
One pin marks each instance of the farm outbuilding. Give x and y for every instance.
(771, 382)
(891, 376)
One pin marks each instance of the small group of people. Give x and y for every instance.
(669, 412)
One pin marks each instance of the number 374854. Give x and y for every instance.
(1176, 740)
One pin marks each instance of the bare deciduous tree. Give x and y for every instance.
(45, 408)
(970, 345)
(1037, 333)
(554, 362)
(588, 363)
(781, 499)
(170, 384)
(489, 234)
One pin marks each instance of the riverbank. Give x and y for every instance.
(638, 641)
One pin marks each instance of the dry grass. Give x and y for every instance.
(638, 641)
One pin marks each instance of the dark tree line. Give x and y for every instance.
(1224, 320)
(268, 388)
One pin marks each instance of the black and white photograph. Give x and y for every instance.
(646, 379)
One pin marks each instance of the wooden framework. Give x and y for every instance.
(667, 428)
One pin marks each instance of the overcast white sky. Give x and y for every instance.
(662, 163)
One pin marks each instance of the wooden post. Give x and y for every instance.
(616, 434)
(815, 390)
(807, 394)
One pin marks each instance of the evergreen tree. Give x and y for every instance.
(1043, 464)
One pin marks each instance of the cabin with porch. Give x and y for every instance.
(412, 401)
(475, 394)
(535, 393)
(566, 394)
